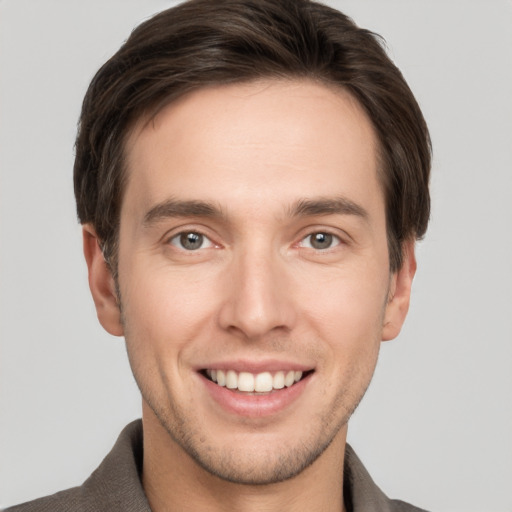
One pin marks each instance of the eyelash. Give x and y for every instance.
(331, 237)
(179, 239)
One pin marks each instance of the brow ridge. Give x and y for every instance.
(178, 208)
(327, 206)
(302, 208)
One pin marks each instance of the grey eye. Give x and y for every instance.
(320, 241)
(190, 241)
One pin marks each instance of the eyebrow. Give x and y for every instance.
(301, 208)
(177, 208)
(327, 206)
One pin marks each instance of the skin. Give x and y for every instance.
(257, 290)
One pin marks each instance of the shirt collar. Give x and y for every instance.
(116, 484)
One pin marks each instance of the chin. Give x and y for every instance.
(250, 458)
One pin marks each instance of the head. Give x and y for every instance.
(252, 176)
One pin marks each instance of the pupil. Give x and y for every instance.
(191, 241)
(321, 240)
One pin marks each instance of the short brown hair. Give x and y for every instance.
(200, 43)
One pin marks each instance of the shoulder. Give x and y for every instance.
(114, 486)
(402, 506)
(362, 494)
(64, 501)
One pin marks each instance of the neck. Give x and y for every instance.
(174, 482)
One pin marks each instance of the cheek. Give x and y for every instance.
(162, 318)
(347, 313)
(346, 301)
(164, 309)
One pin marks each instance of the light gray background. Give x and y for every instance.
(435, 427)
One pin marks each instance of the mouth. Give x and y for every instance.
(255, 383)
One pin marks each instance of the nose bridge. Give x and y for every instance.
(259, 298)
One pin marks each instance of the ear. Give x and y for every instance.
(399, 293)
(101, 283)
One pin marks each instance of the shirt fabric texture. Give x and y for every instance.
(116, 485)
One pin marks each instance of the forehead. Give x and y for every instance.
(239, 142)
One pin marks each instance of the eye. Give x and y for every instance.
(191, 241)
(320, 241)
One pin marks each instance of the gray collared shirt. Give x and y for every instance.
(116, 486)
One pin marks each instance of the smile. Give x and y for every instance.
(263, 382)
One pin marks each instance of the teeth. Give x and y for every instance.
(289, 379)
(221, 378)
(259, 383)
(246, 381)
(279, 380)
(231, 380)
(263, 382)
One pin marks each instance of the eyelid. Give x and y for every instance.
(178, 244)
(339, 240)
(177, 231)
(343, 236)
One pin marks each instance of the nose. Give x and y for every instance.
(259, 297)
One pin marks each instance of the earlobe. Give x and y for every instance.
(399, 294)
(101, 283)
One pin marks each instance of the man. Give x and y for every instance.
(251, 177)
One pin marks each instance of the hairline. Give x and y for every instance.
(147, 115)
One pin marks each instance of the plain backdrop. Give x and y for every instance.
(435, 427)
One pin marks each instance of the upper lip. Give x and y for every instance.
(252, 366)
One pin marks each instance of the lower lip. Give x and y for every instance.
(255, 406)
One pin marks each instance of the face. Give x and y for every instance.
(253, 274)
